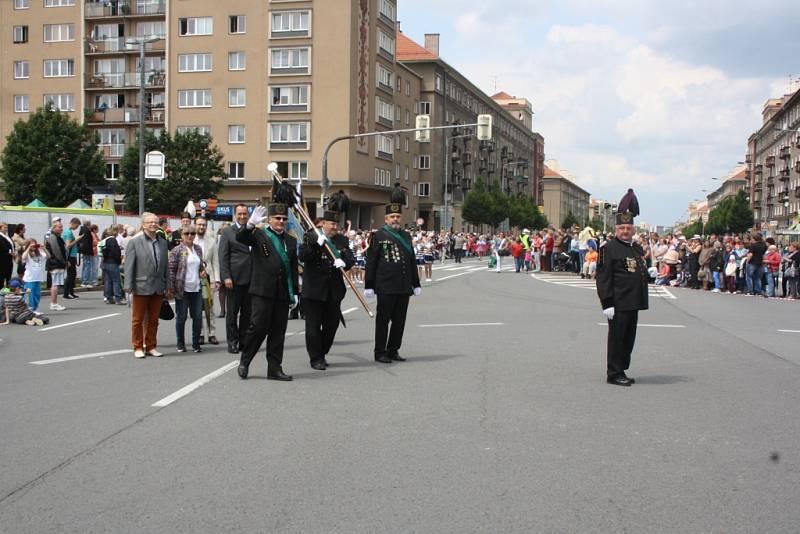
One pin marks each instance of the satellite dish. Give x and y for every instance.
(272, 167)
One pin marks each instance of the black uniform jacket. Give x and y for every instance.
(268, 278)
(391, 269)
(321, 281)
(622, 276)
(234, 258)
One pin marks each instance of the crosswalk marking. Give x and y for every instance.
(571, 280)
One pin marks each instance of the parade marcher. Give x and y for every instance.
(234, 269)
(273, 286)
(391, 274)
(146, 258)
(323, 286)
(208, 244)
(622, 287)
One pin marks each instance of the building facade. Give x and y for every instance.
(562, 196)
(734, 182)
(773, 166)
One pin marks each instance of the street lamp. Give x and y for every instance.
(142, 42)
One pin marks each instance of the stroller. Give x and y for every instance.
(564, 263)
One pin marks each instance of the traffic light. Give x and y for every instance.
(484, 127)
(423, 135)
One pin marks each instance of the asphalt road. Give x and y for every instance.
(506, 426)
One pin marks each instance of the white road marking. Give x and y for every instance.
(78, 322)
(451, 276)
(81, 357)
(349, 310)
(458, 324)
(460, 268)
(790, 331)
(166, 401)
(653, 325)
(290, 334)
(583, 283)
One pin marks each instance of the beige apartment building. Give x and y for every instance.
(732, 183)
(562, 196)
(273, 80)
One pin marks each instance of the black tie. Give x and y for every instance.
(155, 254)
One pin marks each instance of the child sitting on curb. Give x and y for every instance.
(17, 311)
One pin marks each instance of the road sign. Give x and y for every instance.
(154, 165)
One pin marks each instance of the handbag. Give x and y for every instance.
(166, 313)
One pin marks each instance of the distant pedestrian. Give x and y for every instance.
(184, 283)
(72, 242)
(56, 263)
(34, 259)
(112, 260)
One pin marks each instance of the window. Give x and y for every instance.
(22, 70)
(289, 135)
(236, 170)
(384, 146)
(386, 9)
(384, 78)
(54, 33)
(58, 3)
(438, 83)
(424, 189)
(237, 24)
(384, 110)
(405, 174)
(236, 134)
(237, 98)
(236, 60)
(202, 130)
(194, 98)
(21, 104)
(386, 43)
(290, 60)
(290, 24)
(61, 102)
(57, 68)
(112, 171)
(405, 142)
(397, 171)
(424, 108)
(156, 28)
(290, 97)
(195, 63)
(397, 142)
(298, 169)
(397, 113)
(20, 34)
(21, 4)
(195, 26)
(398, 81)
(408, 88)
(424, 162)
(383, 177)
(408, 118)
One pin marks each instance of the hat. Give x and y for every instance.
(696, 236)
(681, 238)
(526, 231)
(15, 283)
(397, 198)
(628, 208)
(394, 207)
(732, 257)
(278, 208)
(331, 216)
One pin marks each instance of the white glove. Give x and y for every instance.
(417, 291)
(257, 217)
(295, 302)
(320, 239)
(369, 293)
(338, 263)
(609, 313)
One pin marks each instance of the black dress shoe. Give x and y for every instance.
(383, 359)
(325, 362)
(232, 348)
(318, 365)
(202, 340)
(213, 340)
(397, 358)
(242, 370)
(279, 375)
(619, 380)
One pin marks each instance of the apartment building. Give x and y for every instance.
(514, 158)
(274, 80)
(562, 196)
(773, 166)
(732, 183)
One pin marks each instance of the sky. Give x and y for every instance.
(659, 96)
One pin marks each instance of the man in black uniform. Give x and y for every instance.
(323, 286)
(273, 287)
(622, 287)
(391, 273)
(235, 269)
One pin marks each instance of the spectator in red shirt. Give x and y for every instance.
(518, 252)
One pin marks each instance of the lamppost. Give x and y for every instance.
(447, 139)
(142, 42)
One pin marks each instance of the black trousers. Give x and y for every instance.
(269, 318)
(459, 254)
(322, 322)
(391, 308)
(237, 312)
(621, 337)
(72, 272)
(6, 267)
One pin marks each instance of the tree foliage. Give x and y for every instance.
(193, 171)
(569, 221)
(695, 228)
(732, 215)
(476, 204)
(524, 213)
(499, 205)
(51, 157)
(493, 206)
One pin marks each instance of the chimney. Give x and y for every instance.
(432, 43)
(397, 27)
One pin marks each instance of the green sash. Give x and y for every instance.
(399, 238)
(336, 254)
(284, 260)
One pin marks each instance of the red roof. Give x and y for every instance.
(408, 50)
(502, 95)
(550, 173)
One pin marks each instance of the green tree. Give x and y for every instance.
(569, 221)
(193, 171)
(51, 157)
(499, 205)
(524, 213)
(695, 228)
(596, 223)
(740, 216)
(476, 204)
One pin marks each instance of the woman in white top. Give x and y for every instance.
(184, 274)
(34, 259)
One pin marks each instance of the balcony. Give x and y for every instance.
(113, 151)
(785, 152)
(785, 174)
(455, 156)
(487, 146)
(467, 159)
(797, 191)
(748, 158)
(118, 45)
(124, 8)
(124, 80)
(128, 115)
(770, 161)
(797, 166)
(797, 141)
(770, 181)
(759, 169)
(757, 187)
(491, 168)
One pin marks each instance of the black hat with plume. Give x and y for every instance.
(397, 198)
(283, 198)
(628, 208)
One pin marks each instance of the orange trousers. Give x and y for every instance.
(144, 332)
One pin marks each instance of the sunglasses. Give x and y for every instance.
(280, 218)
(189, 233)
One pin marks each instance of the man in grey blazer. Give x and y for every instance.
(146, 277)
(234, 270)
